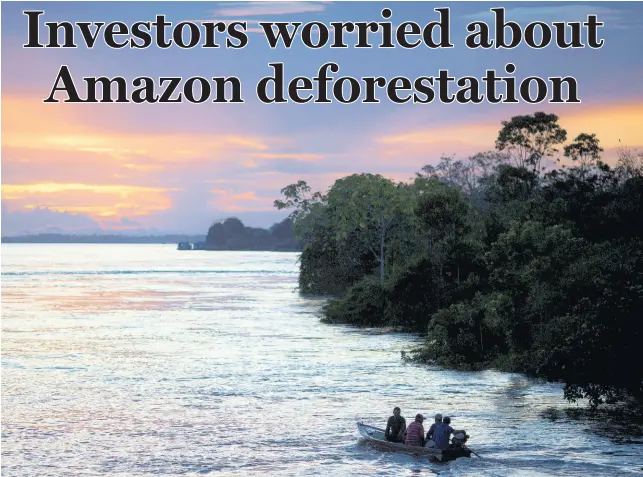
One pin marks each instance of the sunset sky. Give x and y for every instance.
(179, 167)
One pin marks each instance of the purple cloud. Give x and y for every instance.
(267, 8)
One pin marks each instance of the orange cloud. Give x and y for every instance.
(474, 134)
(144, 167)
(122, 190)
(240, 202)
(28, 124)
(248, 196)
(269, 184)
(95, 201)
(610, 122)
(295, 156)
(88, 159)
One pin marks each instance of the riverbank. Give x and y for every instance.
(495, 264)
(128, 364)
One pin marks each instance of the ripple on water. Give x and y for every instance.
(139, 360)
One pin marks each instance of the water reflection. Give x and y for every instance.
(229, 372)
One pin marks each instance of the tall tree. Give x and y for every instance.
(530, 138)
(630, 162)
(466, 174)
(371, 204)
(443, 212)
(584, 150)
(306, 207)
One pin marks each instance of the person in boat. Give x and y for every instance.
(429, 435)
(415, 432)
(395, 427)
(442, 433)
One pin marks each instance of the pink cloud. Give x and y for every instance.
(267, 8)
(294, 156)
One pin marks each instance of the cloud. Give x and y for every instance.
(95, 201)
(249, 29)
(28, 124)
(191, 210)
(611, 122)
(473, 134)
(241, 202)
(58, 158)
(249, 9)
(267, 8)
(56, 143)
(121, 223)
(611, 17)
(43, 220)
(13, 191)
(294, 156)
(63, 159)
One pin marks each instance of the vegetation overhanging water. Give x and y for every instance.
(503, 260)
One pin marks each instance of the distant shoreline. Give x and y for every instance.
(227, 235)
(103, 239)
(129, 240)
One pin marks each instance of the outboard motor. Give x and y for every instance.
(459, 438)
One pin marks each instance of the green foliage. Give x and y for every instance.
(530, 138)
(497, 265)
(231, 234)
(365, 305)
(306, 208)
(600, 354)
(362, 225)
(468, 175)
(584, 150)
(372, 205)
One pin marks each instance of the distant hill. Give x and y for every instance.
(231, 234)
(228, 234)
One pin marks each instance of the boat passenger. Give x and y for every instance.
(415, 432)
(429, 434)
(395, 427)
(442, 433)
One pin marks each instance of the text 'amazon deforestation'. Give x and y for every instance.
(326, 84)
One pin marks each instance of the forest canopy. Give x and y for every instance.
(498, 259)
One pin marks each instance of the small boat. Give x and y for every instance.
(184, 246)
(375, 436)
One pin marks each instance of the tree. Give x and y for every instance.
(527, 272)
(530, 138)
(371, 204)
(443, 212)
(630, 162)
(584, 150)
(299, 197)
(467, 174)
(511, 184)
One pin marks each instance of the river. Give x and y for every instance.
(141, 359)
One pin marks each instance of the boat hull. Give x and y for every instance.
(375, 437)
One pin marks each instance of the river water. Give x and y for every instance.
(141, 359)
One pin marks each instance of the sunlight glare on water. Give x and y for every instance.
(141, 359)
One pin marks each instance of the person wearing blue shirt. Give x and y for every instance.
(442, 433)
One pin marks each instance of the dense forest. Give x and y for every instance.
(232, 234)
(501, 259)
